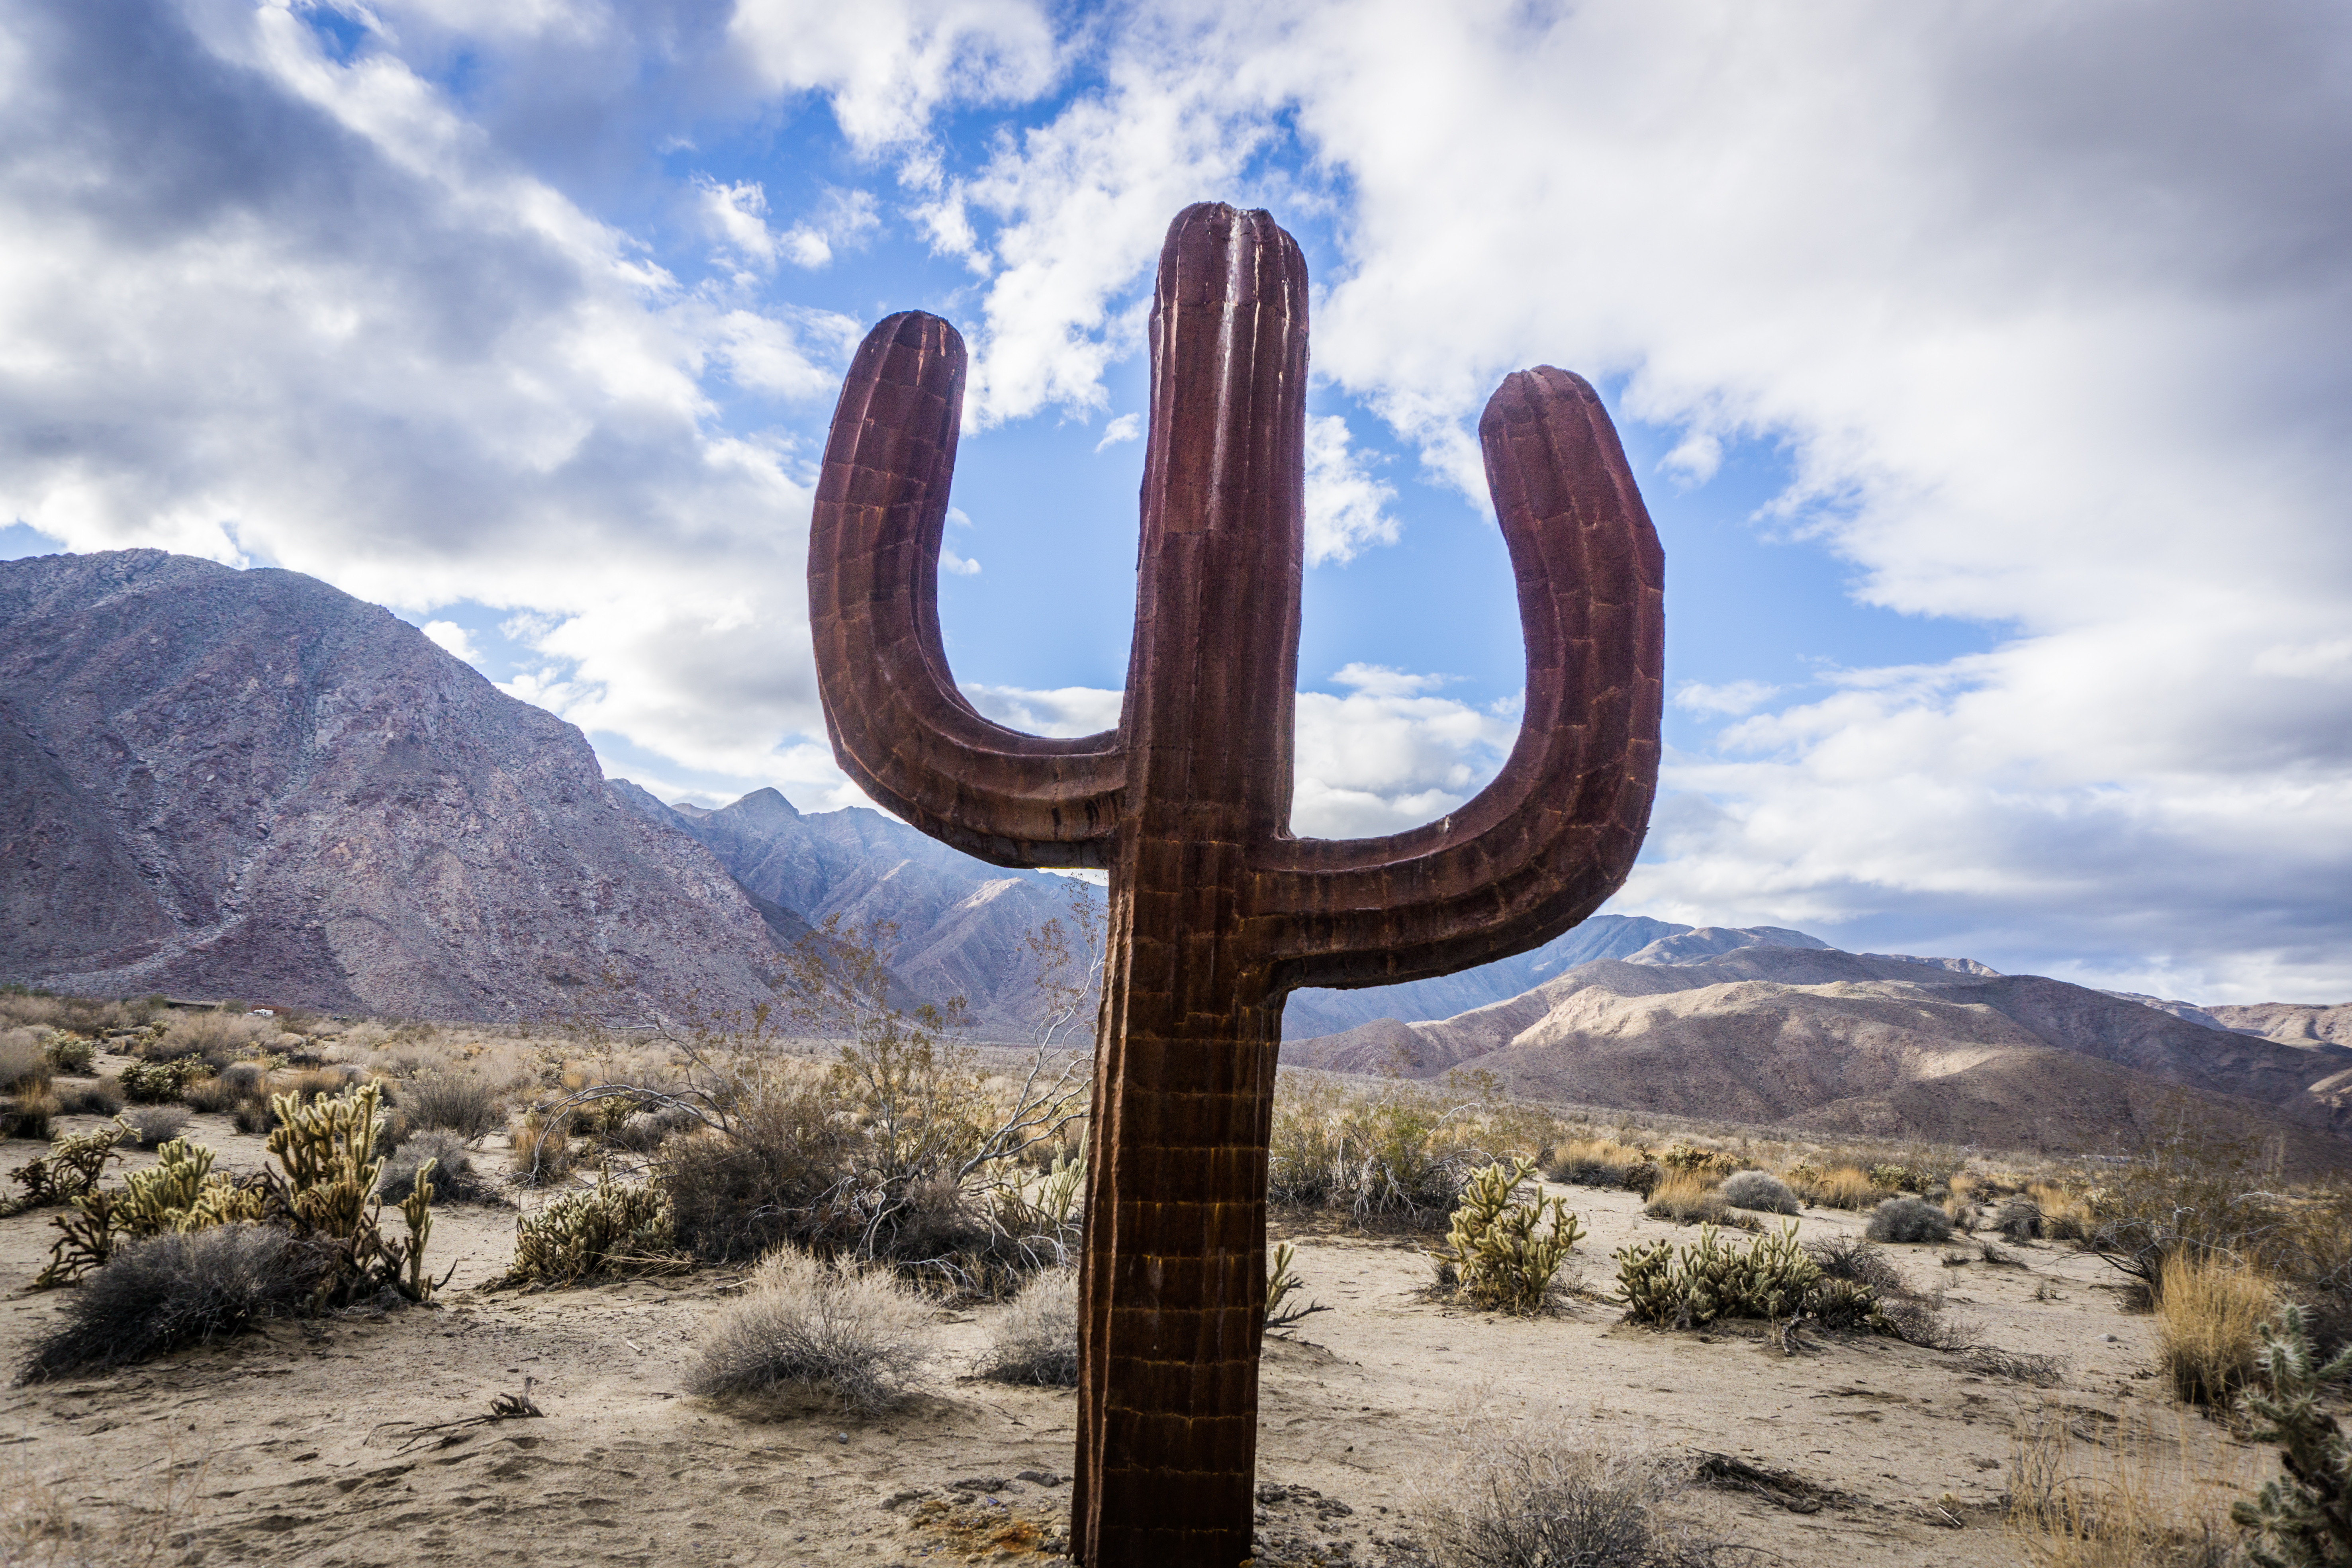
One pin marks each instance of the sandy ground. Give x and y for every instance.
(313, 1443)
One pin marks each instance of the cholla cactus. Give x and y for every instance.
(610, 1228)
(1503, 1250)
(2304, 1518)
(70, 1169)
(179, 1193)
(327, 1149)
(1691, 1286)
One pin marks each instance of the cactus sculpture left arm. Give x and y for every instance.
(1217, 912)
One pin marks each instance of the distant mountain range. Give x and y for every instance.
(1749, 1025)
(219, 782)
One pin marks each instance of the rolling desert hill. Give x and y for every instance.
(1816, 1038)
(222, 783)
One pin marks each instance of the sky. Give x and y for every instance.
(1987, 370)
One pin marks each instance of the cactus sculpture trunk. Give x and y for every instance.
(1216, 911)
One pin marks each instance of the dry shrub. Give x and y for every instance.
(458, 1102)
(1688, 1197)
(24, 1065)
(218, 1037)
(1520, 1505)
(1392, 1157)
(2143, 1494)
(455, 1178)
(101, 1097)
(71, 1054)
(1594, 1162)
(173, 1289)
(152, 1126)
(2065, 1214)
(541, 1152)
(1851, 1257)
(1909, 1221)
(1759, 1191)
(843, 1328)
(2207, 1311)
(1843, 1188)
(776, 1179)
(1036, 1339)
(31, 1114)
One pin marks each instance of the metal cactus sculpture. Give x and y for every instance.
(1216, 911)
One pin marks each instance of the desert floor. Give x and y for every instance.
(315, 1443)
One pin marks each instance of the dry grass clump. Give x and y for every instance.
(1036, 1338)
(455, 1178)
(218, 1037)
(1759, 1191)
(31, 1114)
(102, 1097)
(1851, 1257)
(1909, 1221)
(1840, 1187)
(2142, 1494)
(1520, 1505)
(1597, 1162)
(849, 1330)
(1688, 1197)
(1393, 1157)
(173, 1289)
(542, 1152)
(458, 1102)
(25, 1064)
(2208, 1313)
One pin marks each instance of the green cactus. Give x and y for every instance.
(1503, 1252)
(71, 1167)
(179, 1193)
(2302, 1519)
(610, 1229)
(1693, 1285)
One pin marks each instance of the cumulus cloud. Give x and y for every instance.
(1344, 502)
(453, 639)
(1732, 698)
(1126, 428)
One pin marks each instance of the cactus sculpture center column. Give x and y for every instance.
(1216, 911)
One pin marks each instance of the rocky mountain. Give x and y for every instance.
(963, 924)
(2292, 1023)
(1315, 1012)
(220, 783)
(1811, 1037)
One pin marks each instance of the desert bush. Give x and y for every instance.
(2065, 1214)
(1851, 1257)
(71, 1054)
(2137, 1496)
(24, 1065)
(213, 1096)
(540, 1152)
(1691, 1286)
(844, 1327)
(2019, 1219)
(1505, 1253)
(1036, 1339)
(100, 1098)
(321, 1194)
(776, 1179)
(2207, 1313)
(1689, 1198)
(1595, 1163)
(644, 1131)
(152, 1126)
(1908, 1220)
(172, 1289)
(70, 1169)
(215, 1039)
(454, 1177)
(614, 1228)
(1710, 1165)
(1761, 1191)
(161, 1083)
(1527, 1507)
(1392, 1157)
(2302, 1519)
(1841, 1187)
(31, 1114)
(458, 1102)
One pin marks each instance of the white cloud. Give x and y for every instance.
(454, 639)
(1344, 502)
(885, 65)
(1733, 697)
(1126, 428)
(959, 565)
(1382, 758)
(845, 220)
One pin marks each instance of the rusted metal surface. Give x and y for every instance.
(1216, 911)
